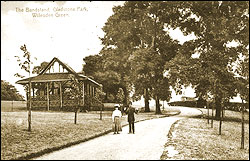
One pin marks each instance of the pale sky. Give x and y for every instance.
(69, 38)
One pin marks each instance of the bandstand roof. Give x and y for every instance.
(44, 76)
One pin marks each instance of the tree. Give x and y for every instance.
(242, 81)
(76, 93)
(26, 66)
(95, 66)
(38, 69)
(134, 28)
(120, 95)
(215, 24)
(110, 81)
(99, 97)
(119, 41)
(92, 64)
(9, 92)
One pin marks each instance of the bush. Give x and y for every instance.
(235, 106)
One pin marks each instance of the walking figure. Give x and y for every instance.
(116, 118)
(131, 118)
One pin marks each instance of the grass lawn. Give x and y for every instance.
(193, 138)
(53, 130)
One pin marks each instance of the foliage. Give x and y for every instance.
(110, 98)
(135, 32)
(75, 91)
(211, 72)
(139, 51)
(9, 92)
(120, 95)
(99, 95)
(184, 103)
(26, 66)
(26, 63)
(38, 69)
(94, 66)
(242, 81)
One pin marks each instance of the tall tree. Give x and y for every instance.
(215, 24)
(134, 28)
(99, 67)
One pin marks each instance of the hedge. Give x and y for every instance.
(234, 106)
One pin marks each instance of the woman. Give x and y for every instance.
(116, 118)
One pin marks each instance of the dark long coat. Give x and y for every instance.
(131, 116)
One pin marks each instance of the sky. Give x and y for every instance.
(69, 31)
(69, 38)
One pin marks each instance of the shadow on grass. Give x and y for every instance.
(228, 119)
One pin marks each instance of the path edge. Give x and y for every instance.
(53, 149)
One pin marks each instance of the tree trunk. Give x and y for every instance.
(218, 107)
(157, 103)
(207, 112)
(220, 125)
(29, 112)
(101, 108)
(75, 116)
(125, 96)
(106, 96)
(146, 100)
(212, 121)
(76, 110)
(242, 125)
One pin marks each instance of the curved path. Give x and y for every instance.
(147, 143)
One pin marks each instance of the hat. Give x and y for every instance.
(117, 105)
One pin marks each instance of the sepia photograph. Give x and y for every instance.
(124, 80)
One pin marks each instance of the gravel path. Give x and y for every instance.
(146, 144)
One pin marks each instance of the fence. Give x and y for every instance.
(13, 106)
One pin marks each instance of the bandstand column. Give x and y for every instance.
(61, 102)
(48, 96)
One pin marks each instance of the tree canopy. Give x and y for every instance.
(9, 92)
(39, 68)
(139, 54)
(215, 25)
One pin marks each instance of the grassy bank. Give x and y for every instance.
(53, 130)
(193, 138)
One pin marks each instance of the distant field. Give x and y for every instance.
(7, 106)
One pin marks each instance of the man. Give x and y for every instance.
(116, 115)
(131, 118)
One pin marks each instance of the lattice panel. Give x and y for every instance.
(39, 98)
(54, 104)
(54, 97)
(39, 104)
(69, 103)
